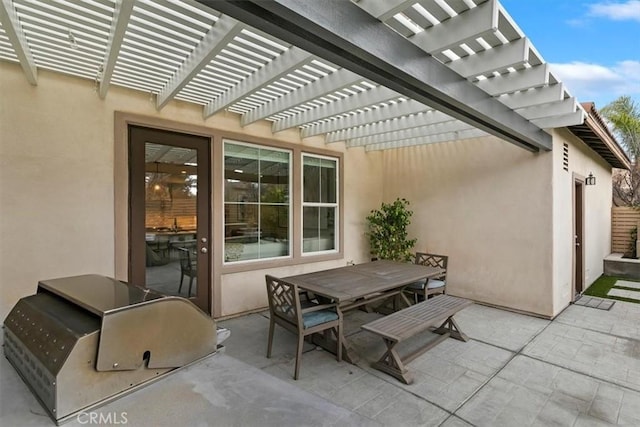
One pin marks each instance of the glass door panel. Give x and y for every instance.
(169, 213)
(171, 193)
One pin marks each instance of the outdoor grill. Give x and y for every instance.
(82, 341)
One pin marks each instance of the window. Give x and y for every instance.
(319, 204)
(257, 184)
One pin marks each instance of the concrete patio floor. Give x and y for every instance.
(582, 369)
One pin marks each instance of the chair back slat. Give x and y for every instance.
(284, 300)
(432, 260)
(185, 257)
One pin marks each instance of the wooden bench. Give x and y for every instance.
(411, 321)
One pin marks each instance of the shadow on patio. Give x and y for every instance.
(581, 369)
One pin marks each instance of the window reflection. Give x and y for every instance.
(171, 194)
(256, 193)
(319, 180)
(319, 229)
(319, 204)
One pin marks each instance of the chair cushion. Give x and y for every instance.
(433, 283)
(417, 285)
(317, 317)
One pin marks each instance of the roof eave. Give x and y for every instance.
(595, 133)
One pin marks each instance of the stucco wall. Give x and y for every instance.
(597, 215)
(58, 191)
(488, 205)
(56, 182)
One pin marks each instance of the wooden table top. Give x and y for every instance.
(358, 281)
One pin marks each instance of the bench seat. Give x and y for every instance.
(411, 321)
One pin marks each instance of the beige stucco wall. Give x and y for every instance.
(56, 183)
(58, 190)
(488, 205)
(597, 215)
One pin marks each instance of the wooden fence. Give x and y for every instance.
(623, 219)
(163, 214)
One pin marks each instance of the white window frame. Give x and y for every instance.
(336, 206)
(259, 203)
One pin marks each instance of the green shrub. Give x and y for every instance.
(388, 231)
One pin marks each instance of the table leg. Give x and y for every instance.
(330, 344)
(451, 327)
(391, 303)
(391, 363)
(405, 299)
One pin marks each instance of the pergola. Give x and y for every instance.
(377, 74)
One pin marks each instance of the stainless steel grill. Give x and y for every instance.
(82, 341)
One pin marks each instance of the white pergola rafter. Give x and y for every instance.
(17, 38)
(289, 61)
(421, 119)
(481, 21)
(412, 133)
(560, 108)
(347, 35)
(216, 39)
(534, 96)
(397, 109)
(431, 139)
(520, 80)
(121, 16)
(510, 65)
(564, 120)
(385, 9)
(337, 80)
(328, 67)
(367, 98)
(514, 54)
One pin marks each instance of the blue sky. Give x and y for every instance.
(593, 46)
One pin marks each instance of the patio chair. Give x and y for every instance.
(285, 309)
(429, 287)
(188, 267)
(162, 246)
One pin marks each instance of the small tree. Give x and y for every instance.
(388, 231)
(623, 115)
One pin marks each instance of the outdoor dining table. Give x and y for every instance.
(357, 285)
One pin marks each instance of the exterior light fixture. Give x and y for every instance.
(590, 180)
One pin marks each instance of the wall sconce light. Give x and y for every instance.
(590, 180)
